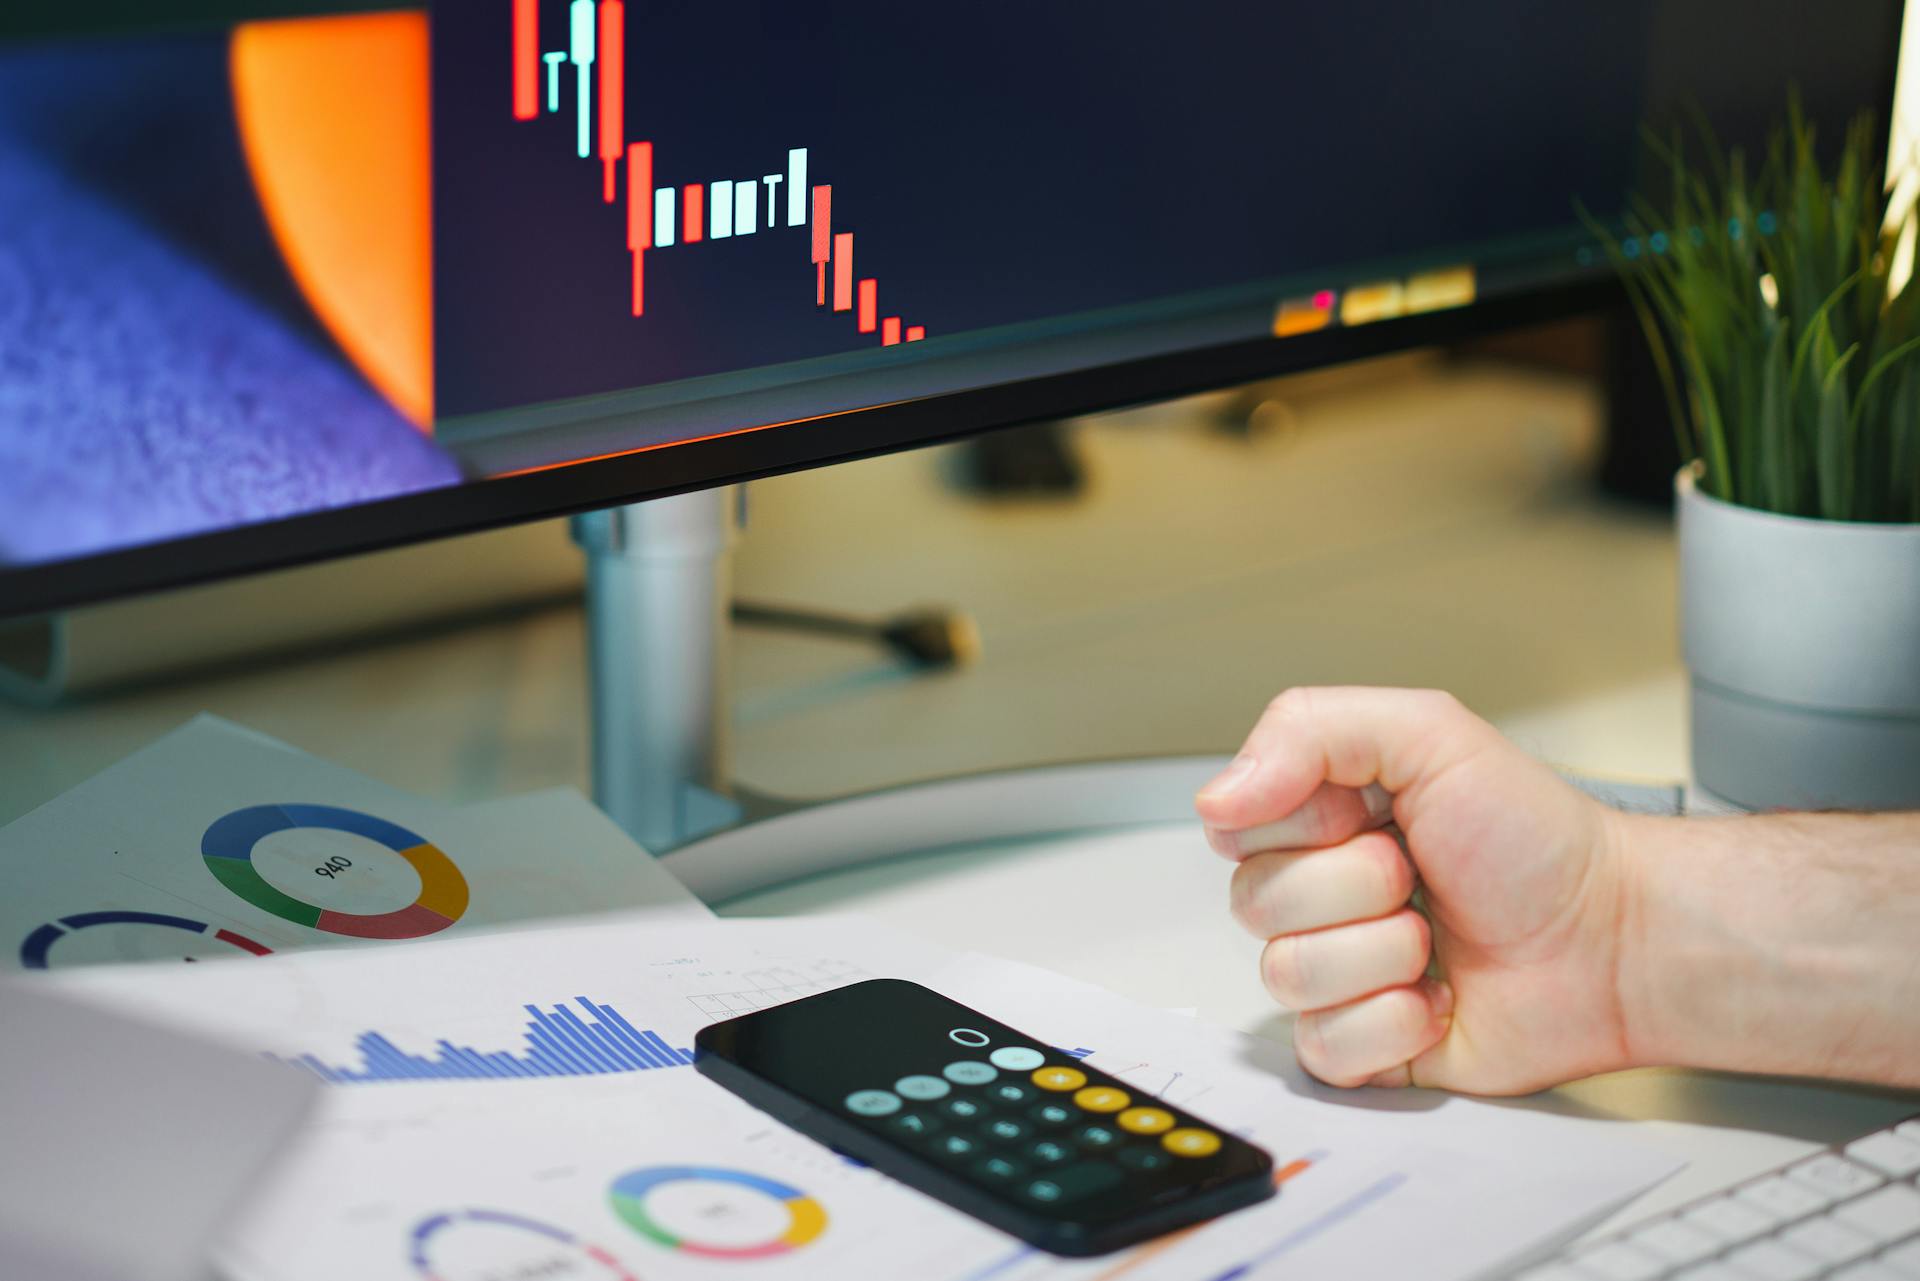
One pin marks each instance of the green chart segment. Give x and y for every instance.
(228, 849)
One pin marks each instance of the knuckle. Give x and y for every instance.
(1392, 872)
(1243, 895)
(1283, 968)
(1418, 938)
(1290, 702)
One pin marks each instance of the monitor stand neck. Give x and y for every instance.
(659, 588)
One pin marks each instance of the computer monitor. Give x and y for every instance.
(674, 246)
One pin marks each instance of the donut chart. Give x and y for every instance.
(806, 1217)
(228, 849)
(556, 1249)
(33, 952)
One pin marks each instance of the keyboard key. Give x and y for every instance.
(1828, 1241)
(1728, 1219)
(1887, 1215)
(1866, 1270)
(1783, 1199)
(1008, 1130)
(1888, 1152)
(1709, 1272)
(1909, 1129)
(1619, 1261)
(1903, 1258)
(1676, 1242)
(1835, 1176)
(1771, 1261)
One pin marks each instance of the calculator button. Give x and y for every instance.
(1016, 1058)
(1059, 1078)
(956, 1147)
(1096, 1137)
(1102, 1098)
(999, 1169)
(968, 1072)
(1047, 1152)
(921, 1089)
(1008, 1130)
(1052, 1114)
(969, 1037)
(963, 1109)
(1011, 1092)
(873, 1103)
(1144, 1160)
(1072, 1183)
(913, 1124)
(1146, 1120)
(1191, 1142)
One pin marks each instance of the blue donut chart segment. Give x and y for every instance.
(34, 951)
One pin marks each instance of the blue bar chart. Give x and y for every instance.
(557, 1041)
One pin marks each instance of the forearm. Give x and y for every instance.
(1780, 944)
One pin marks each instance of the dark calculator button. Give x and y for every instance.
(964, 1109)
(1144, 1160)
(999, 1169)
(1052, 1114)
(1095, 1137)
(1045, 1191)
(1008, 1130)
(913, 1124)
(956, 1147)
(1047, 1152)
(1011, 1092)
(1076, 1181)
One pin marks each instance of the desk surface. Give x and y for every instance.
(1411, 524)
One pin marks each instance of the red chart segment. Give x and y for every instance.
(526, 59)
(410, 922)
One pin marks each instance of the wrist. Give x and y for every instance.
(1774, 944)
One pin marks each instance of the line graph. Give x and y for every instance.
(679, 216)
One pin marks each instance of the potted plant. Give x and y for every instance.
(1786, 336)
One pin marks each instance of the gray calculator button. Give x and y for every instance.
(1016, 1058)
(921, 1089)
(969, 1072)
(873, 1103)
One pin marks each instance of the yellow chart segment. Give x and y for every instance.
(442, 888)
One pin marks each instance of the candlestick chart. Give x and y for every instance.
(590, 64)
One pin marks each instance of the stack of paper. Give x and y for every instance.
(217, 842)
(521, 1104)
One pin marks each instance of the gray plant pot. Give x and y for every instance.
(1803, 640)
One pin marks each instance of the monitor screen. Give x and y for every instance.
(306, 286)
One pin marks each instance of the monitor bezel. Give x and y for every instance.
(751, 454)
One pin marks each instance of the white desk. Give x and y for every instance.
(1421, 526)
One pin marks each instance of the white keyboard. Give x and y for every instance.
(1851, 1213)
